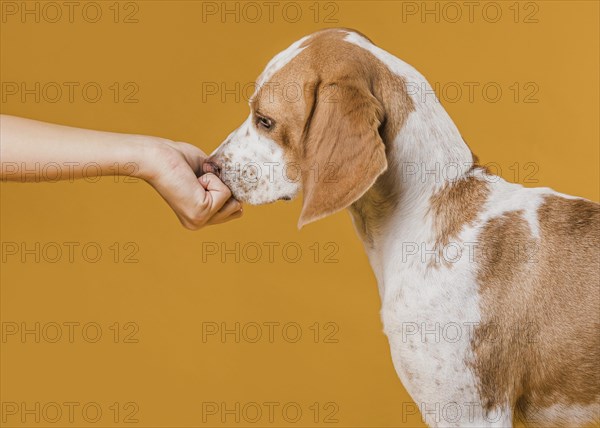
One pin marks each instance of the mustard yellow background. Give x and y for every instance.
(173, 55)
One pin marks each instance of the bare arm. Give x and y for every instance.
(38, 151)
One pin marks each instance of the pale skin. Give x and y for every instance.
(37, 151)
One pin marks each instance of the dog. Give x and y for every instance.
(490, 291)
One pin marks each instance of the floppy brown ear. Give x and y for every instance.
(343, 151)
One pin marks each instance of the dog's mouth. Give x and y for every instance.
(251, 198)
(243, 191)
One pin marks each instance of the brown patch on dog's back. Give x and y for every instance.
(456, 205)
(539, 343)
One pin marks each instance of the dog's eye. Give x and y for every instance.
(264, 122)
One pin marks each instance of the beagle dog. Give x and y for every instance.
(490, 291)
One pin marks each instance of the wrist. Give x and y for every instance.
(146, 152)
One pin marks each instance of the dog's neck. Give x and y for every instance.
(425, 154)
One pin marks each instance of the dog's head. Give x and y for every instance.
(314, 125)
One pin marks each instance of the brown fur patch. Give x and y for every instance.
(364, 70)
(539, 343)
(456, 205)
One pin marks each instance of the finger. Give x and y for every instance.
(233, 216)
(217, 192)
(194, 201)
(231, 207)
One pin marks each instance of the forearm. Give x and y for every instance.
(37, 151)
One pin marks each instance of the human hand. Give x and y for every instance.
(172, 168)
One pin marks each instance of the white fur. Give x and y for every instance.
(254, 167)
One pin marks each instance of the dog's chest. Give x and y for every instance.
(429, 311)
